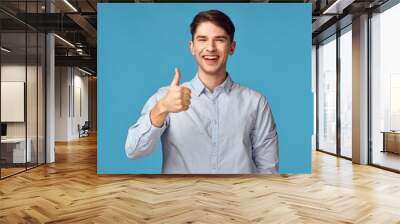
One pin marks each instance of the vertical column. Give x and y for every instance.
(50, 92)
(360, 90)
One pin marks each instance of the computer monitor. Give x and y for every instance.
(3, 129)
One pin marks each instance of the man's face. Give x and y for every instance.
(211, 47)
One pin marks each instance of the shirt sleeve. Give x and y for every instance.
(264, 139)
(143, 136)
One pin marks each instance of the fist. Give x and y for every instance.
(178, 97)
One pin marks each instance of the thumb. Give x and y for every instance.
(177, 77)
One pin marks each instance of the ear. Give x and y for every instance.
(232, 47)
(191, 47)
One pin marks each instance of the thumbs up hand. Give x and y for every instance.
(178, 97)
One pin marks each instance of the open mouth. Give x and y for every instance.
(211, 59)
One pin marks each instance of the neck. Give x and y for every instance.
(211, 81)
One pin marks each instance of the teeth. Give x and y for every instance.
(210, 57)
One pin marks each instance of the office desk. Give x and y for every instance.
(13, 150)
(391, 141)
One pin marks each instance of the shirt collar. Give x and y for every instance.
(198, 86)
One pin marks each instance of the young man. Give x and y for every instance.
(210, 124)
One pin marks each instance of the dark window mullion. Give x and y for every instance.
(26, 86)
(0, 97)
(338, 78)
(37, 90)
(369, 90)
(317, 96)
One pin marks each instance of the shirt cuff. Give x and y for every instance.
(149, 130)
(269, 170)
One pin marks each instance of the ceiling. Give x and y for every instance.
(76, 22)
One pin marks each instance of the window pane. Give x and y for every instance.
(346, 94)
(327, 96)
(386, 88)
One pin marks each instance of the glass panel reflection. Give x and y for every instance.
(346, 93)
(385, 87)
(327, 95)
(15, 151)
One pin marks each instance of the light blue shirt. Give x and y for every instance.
(228, 131)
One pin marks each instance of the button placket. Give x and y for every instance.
(215, 136)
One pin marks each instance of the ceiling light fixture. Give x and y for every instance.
(84, 71)
(70, 5)
(5, 50)
(79, 51)
(65, 41)
(337, 7)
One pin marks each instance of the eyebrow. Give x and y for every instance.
(217, 37)
(200, 37)
(221, 37)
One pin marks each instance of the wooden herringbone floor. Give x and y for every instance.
(70, 191)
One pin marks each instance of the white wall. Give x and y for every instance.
(12, 73)
(71, 93)
(16, 72)
(62, 81)
(80, 102)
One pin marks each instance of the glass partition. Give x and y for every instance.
(327, 95)
(22, 63)
(346, 92)
(13, 108)
(32, 95)
(385, 89)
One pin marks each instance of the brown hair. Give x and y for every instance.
(216, 17)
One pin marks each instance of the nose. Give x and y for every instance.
(211, 46)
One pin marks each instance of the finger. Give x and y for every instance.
(186, 90)
(177, 77)
(185, 108)
(186, 102)
(186, 97)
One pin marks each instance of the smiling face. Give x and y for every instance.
(211, 46)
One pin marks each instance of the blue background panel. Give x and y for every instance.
(139, 45)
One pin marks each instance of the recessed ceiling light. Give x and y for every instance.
(84, 71)
(70, 5)
(337, 7)
(5, 50)
(65, 41)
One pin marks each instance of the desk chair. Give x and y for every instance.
(84, 130)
